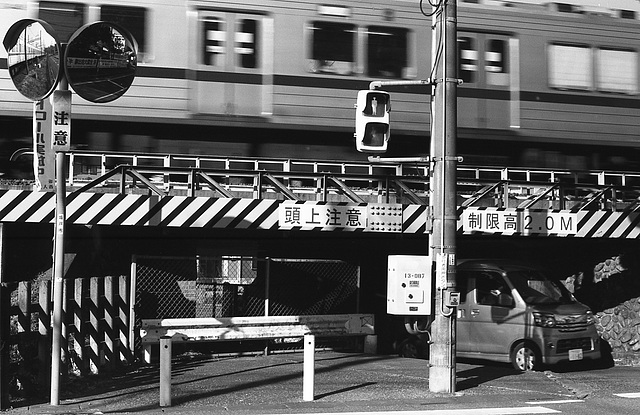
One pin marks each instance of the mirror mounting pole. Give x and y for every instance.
(58, 264)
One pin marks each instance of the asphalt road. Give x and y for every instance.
(347, 383)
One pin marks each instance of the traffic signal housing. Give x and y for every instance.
(372, 121)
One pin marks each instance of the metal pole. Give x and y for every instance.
(58, 270)
(165, 371)
(5, 312)
(308, 367)
(442, 371)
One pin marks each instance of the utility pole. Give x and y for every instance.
(442, 360)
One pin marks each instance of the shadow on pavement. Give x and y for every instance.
(488, 371)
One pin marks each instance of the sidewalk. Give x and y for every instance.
(273, 385)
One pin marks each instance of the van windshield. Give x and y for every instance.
(535, 288)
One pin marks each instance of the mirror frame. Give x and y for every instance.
(10, 41)
(93, 93)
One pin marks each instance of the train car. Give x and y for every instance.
(556, 82)
(543, 83)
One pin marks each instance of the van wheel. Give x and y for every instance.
(525, 357)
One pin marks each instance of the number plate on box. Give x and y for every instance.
(575, 354)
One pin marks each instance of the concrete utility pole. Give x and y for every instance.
(442, 371)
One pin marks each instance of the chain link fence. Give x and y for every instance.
(234, 286)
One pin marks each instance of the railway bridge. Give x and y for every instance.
(233, 193)
(193, 236)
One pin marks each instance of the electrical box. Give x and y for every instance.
(409, 284)
(451, 299)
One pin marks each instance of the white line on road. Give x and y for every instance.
(525, 410)
(554, 402)
(628, 395)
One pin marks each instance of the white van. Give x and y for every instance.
(513, 313)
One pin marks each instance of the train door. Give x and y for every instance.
(234, 64)
(488, 67)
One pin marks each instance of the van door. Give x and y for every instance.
(464, 341)
(494, 321)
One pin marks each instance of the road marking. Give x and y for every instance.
(628, 395)
(524, 410)
(554, 402)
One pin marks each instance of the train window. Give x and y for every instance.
(134, 19)
(570, 67)
(214, 45)
(65, 18)
(387, 52)
(247, 43)
(496, 62)
(617, 71)
(468, 60)
(332, 47)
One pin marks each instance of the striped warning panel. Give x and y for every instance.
(205, 212)
(607, 224)
(414, 219)
(141, 210)
(234, 213)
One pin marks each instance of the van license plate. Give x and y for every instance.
(575, 354)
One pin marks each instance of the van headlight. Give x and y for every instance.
(591, 319)
(544, 319)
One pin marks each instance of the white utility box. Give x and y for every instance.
(409, 283)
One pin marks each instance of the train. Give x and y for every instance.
(543, 84)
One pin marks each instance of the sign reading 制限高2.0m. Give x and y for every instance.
(519, 222)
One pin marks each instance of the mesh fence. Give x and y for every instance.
(242, 286)
(172, 287)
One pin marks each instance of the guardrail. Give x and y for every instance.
(186, 330)
(164, 332)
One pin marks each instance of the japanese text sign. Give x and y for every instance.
(61, 121)
(324, 216)
(525, 222)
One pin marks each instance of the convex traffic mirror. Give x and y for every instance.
(33, 58)
(100, 60)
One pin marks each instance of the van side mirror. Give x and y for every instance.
(505, 300)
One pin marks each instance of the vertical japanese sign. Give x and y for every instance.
(44, 159)
(61, 121)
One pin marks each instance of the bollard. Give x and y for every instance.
(165, 371)
(308, 368)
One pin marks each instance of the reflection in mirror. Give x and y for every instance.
(101, 61)
(33, 58)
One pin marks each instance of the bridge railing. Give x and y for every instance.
(309, 179)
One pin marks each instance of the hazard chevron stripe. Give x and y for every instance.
(140, 210)
(234, 213)
(414, 219)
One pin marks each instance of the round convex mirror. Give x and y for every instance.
(101, 61)
(33, 58)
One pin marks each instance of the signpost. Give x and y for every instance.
(37, 65)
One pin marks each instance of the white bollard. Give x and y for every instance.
(308, 370)
(165, 371)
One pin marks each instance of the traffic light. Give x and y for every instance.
(372, 121)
